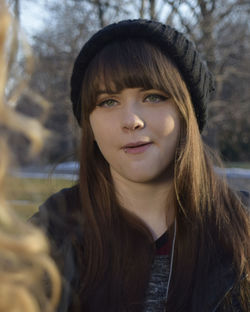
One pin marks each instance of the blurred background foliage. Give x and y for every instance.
(219, 28)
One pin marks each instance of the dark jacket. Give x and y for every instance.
(54, 217)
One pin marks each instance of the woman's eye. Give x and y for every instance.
(107, 103)
(155, 98)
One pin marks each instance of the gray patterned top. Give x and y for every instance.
(156, 293)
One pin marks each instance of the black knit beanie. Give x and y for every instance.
(171, 42)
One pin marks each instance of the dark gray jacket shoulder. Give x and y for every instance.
(55, 213)
(54, 218)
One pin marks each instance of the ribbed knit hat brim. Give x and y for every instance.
(172, 43)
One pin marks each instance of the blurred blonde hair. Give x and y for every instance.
(29, 280)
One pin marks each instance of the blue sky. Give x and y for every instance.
(32, 14)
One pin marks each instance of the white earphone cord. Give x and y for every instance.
(171, 260)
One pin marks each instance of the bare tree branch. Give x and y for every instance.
(100, 9)
(152, 9)
(213, 7)
(193, 9)
(203, 7)
(229, 9)
(142, 7)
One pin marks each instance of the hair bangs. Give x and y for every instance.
(124, 64)
(128, 64)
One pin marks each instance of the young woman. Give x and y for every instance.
(150, 227)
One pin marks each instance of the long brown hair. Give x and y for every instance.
(116, 250)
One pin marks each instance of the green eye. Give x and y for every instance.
(108, 103)
(155, 98)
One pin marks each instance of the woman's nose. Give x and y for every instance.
(132, 121)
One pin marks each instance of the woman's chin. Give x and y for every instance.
(146, 176)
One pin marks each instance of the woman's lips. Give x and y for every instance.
(137, 149)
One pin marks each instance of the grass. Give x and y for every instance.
(244, 165)
(26, 195)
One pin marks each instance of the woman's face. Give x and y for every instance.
(137, 131)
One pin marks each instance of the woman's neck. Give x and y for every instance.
(153, 203)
